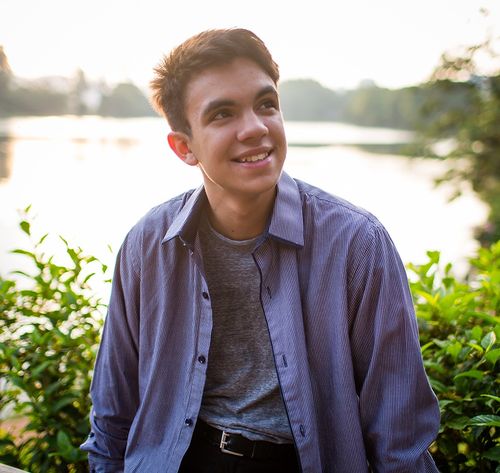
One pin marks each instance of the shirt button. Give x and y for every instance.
(202, 359)
(189, 422)
(204, 294)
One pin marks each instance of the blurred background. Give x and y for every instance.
(392, 105)
(371, 107)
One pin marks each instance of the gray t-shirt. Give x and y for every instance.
(242, 393)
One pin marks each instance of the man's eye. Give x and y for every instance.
(270, 104)
(220, 115)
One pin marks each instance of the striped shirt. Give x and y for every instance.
(342, 327)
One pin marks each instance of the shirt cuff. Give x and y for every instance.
(100, 464)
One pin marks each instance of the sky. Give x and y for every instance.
(338, 43)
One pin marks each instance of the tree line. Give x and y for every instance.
(301, 100)
(367, 105)
(61, 96)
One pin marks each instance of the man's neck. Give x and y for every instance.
(240, 218)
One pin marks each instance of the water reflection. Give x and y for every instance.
(90, 179)
(6, 157)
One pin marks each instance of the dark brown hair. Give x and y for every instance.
(207, 49)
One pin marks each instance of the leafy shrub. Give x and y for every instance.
(459, 333)
(49, 337)
(48, 340)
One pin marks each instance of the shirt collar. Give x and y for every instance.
(185, 223)
(286, 222)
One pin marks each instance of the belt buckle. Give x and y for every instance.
(223, 444)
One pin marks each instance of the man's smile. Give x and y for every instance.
(253, 157)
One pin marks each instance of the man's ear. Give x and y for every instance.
(179, 142)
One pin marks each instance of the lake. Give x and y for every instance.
(90, 179)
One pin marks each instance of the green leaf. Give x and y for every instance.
(88, 277)
(492, 454)
(458, 423)
(477, 333)
(18, 251)
(25, 227)
(445, 402)
(493, 355)
(488, 341)
(28, 293)
(21, 273)
(18, 382)
(454, 349)
(438, 386)
(63, 441)
(476, 347)
(427, 345)
(486, 317)
(495, 398)
(441, 343)
(486, 421)
(470, 374)
(430, 299)
(433, 256)
(53, 387)
(66, 449)
(42, 239)
(57, 406)
(457, 408)
(40, 368)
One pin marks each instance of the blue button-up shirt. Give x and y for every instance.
(342, 327)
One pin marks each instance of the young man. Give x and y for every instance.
(256, 324)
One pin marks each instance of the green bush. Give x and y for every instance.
(49, 329)
(49, 336)
(459, 333)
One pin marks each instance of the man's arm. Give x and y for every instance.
(114, 389)
(399, 412)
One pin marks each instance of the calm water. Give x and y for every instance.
(89, 179)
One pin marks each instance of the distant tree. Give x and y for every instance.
(76, 97)
(5, 71)
(368, 105)
(471, 123)
(125, 100)
(371, 105)
(5, 79)
(37, 100)
(306, 99)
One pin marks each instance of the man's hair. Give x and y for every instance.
(207, 49)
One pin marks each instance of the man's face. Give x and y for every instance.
(237, 136)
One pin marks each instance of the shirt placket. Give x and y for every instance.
(288, 351)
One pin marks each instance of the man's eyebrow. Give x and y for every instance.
(268, 89)
(220, 103)
(216, 104)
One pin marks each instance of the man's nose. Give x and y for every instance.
(252, 126)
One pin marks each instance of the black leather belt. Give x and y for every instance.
(235, 444)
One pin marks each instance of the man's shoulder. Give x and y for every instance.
(159, 218)
(325, 206)
(334, 224)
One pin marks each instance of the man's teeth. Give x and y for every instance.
(252, 159)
